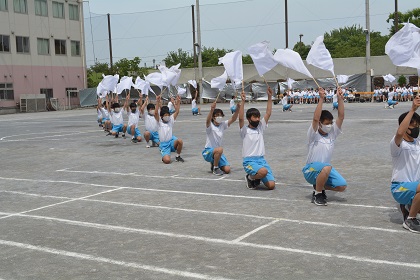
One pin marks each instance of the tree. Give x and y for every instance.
(126, 67)
(302, 49)
(94, 73)
(402, 80)
(412, 16)
(351, 42)
(180, 56)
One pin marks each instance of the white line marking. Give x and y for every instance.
(222, 213)
(110, 261)
(42, 137)
(36, 195)
(226, 242)
(59, 203)
(196, 193)
(240, 238)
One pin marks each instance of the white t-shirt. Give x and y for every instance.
(253, 140)
(284, 100)
(391, 95)
(193, 104)
(405, 161)
(150, 122)
(117, 118)
(214, 133)
(133, 118)
(232, 103)
(165, 129)
(320, 148)
(171, 106)
(335, 99)
(105, 113)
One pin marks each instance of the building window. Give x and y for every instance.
(22, 44)
(41, 8)
(43, 46)
(75, 48)
(73, 12)
(60, 46)
(58, 9)
(72, 91)
(3, 5)
(20, 6)
(48, 92)
(4, 43)
(6, 91)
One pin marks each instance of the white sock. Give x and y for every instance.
(411, 217)
(216, 166)
(316, 192)
(178, 155)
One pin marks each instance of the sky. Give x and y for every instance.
(152, 29)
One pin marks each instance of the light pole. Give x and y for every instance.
(300, 38)
(367, 31)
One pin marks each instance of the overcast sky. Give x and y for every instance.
(151, 29)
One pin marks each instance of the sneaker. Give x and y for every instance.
(179, 159)
(116, 135)
(249, 183)
(211, 166)
(154, 144)
(217, 171)
(123, 135)
(134, 140)
(198, 113)
(404, 211)
(257, 182)
(323, 193)
(109, 133)
(319, 199)
(147, 146)
(412, 225)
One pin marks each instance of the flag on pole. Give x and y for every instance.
(180, 90)
(233, 65)
(262, 57)
(193, 83)
(155, 78)
(219, 82)
(109, 82)
(290, 83)
(143, 86)
(342, 79)
(403, 48)
(125, 83)
(320, 57)
(291, 59)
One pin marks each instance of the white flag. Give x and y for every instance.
(319, 56)
(193, 83)
(342, 79)
(291, 59)
(109, 82)
(389, 78)
(403, 48)
(177, 72)
(262, 57)
(125, 83)
(155, 78)
(219, 82)
(290, 83)
(143, 86)
(233, 65)
(181, 91)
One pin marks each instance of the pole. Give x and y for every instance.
(368, 71)
(82, 47)
(396, 16)
(286, 24)
(194, 49)
(200, 61)
(110, 41)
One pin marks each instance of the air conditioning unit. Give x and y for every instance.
(33, 103)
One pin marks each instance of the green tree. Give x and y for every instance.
(402, 80)
(302, 49)
(180, 56)
(412, 16)
(127, 67)
(351, 42)
(94, 73)
(210, 56)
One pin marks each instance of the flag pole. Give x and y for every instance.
(316, 82)
(336, 82)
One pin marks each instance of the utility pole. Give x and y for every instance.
(198, 44)
(367, 31)
(286, 23)
(110, 41)
(396, 16)
(194, 50)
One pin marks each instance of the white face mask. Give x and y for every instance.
(117, 110)
(166, 118)
(326, 127)
(151, 112)
(218, 119)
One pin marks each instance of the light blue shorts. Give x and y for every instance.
(171, 111)
(104, 120)
(233, 109)
(253, 164)
(154, 136)
(136, 132)
(404, 192)
(167, 147)
(335, 105)
(117, 128)
(391, 102)
(208, 156)
(195, 111)
(312, 170)
(286, 107)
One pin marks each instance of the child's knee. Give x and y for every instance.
(270, 185)
(327, 169)
(226, 169)
(340, 188)
(218, 150)
(166, 159)
(262, 172)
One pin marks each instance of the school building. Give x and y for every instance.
(42, 61)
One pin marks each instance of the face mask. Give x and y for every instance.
(133, 110)
(326, 127)
(166, 118)
(254, 123)
(414, 132)
(117, 110)
(152, 112)
(218, 119)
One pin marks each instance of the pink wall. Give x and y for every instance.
(56, 77)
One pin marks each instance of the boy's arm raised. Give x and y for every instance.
(269, 105)
(241, 110)
(318, 109)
